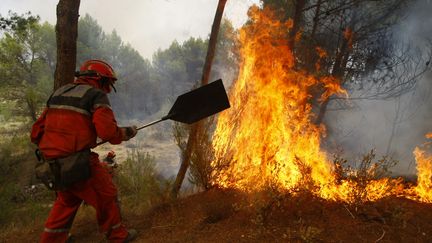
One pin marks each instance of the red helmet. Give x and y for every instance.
(102, 69)
(98, 68)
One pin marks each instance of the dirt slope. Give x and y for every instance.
(230, 216)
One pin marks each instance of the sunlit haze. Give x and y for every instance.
(147, 25)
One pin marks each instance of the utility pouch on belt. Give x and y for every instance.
(59, 174)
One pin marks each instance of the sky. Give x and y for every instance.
(146, 24)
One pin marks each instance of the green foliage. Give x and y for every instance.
(138, 181)
(19, 202)
(178, 68)
(5, 112)
(27, 56)
(134, 98)
(23, 205)
(7, 192)
(48, 52)
(23, 55)
(12, 152)
(17, 22)
(32, 99)
(90, 39)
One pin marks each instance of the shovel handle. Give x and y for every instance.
(146, 125)
(151, 123)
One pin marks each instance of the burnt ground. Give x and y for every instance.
(230, 216)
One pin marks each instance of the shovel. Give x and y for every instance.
(195, 105)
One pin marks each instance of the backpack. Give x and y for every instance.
(59, 174)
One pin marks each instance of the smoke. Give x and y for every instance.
(147, 25)
(393, 126)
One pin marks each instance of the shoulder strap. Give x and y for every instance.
(67, 90)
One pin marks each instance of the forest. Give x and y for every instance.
(328, 126)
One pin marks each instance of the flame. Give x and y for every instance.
(424, 175)
(268, 134)
(267, 137)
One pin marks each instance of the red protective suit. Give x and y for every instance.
(75, 116)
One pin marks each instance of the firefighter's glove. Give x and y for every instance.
(129, 132)
(110, 158)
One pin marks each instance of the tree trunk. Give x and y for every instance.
(197, 128)
(298, 16)
(339, 66)
(186, 156)
(66, 36)
(316, 19)
(338, 69)
(311, 53)
(212, 42)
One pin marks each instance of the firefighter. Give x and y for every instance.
(76, 115)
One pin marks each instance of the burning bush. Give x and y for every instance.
(268, 134)
(268, 138)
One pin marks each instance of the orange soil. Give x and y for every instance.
(230, 216)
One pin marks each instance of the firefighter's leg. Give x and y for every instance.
(101, 193)
(60, 219)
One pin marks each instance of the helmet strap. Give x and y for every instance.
(112, 86)
(106, 81)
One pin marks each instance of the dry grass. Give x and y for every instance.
(367, 170)
(200, 169)
(140, 186)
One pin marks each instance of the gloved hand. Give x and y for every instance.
(109, 162)
(128, 132)
(110, 158)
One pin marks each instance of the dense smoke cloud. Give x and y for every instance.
(397, 125)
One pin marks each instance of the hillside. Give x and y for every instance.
(231, 216)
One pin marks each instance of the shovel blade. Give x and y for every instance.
(199, 103)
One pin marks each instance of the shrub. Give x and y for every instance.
(7, 191)
(200, 169)
(23, 205)
(13, 152)
(19, 202)
(138, 182)
(368, 170)
(5, 112)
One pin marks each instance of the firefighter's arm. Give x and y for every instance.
(105, 123)
(38, 128)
